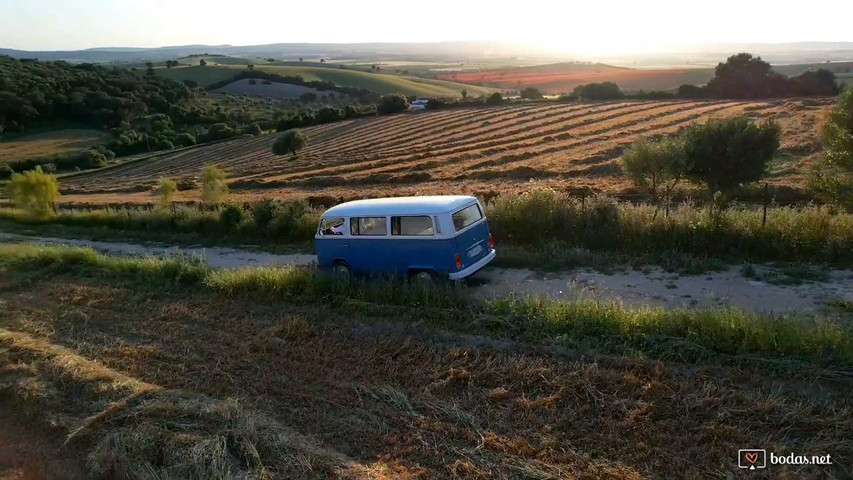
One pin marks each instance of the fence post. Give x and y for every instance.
(764, 216)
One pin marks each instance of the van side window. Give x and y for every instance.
(368, 226)
(420, 225)
(467, 216)
(332, 226)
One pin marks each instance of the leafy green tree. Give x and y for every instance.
(531, 93)
(727, 153)
(250, 66)
(598, 91)
(494, 99)
(34, 191)
(291, 141)
(657, 166)
(214, 187)
(833, 175)
(393, 103)
(746, 76)
(464, 93)
(202, 62)
(166, 190)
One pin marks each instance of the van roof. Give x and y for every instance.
(426, 205)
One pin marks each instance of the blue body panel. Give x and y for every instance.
(401, 256)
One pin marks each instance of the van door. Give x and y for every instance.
(472, 234)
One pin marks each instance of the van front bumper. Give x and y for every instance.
(472, 269)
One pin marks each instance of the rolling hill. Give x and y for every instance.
(500, 149)
(376, 82)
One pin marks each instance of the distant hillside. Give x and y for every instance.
(376, 82)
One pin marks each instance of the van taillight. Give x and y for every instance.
(491, 242)
(458, 261)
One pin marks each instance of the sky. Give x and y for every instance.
(586, 27)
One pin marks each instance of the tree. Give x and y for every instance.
(393, 103)
(726, 153)
(322, 60)
(657, 165)
(213, 185)
(166, 190)
(290, 141)
(300, 59)
(34, 191)
(531, 93)
(494, 99)
(202, 62)
(250, 67)
(833, 176)
(746, 76)
(464, 93)
(598, 91)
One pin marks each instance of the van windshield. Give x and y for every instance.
(467, 216)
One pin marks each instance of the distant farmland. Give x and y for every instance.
(375, 82)
(564, 77)
(501, 149)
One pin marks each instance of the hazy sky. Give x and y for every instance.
(585, 27)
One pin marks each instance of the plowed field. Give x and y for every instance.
(499, 149)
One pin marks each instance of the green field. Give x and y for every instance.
(376, 82)
(50, 143)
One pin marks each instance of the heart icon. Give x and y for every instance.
(751, 457)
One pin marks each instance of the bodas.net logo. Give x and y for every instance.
(752, 458)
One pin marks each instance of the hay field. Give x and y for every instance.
(498, 149)
(50, 143)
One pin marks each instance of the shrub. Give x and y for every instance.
(166, 190)
(5, 171)
(531, 93)
(657, 165)
(290, 141)
(231, 217)
(49, 167)
(598, 91)
(34, 191)
(394, 103)
(264, 212)
(185, 140)
(187, 183)
(494, 99)
(213, 185)
(725, 153)
(833, 176)
(252, 129)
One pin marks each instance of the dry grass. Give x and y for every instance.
(502, 149)
(405, 402)
(49, 143)
(132, 429)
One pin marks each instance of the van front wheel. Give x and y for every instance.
(341, 270)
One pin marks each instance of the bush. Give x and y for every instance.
(726, 153)
(214, 188)
(494, 99)
(231, 217)
(833, 176)
(394, 103)
(166, 190)
(34, 192)
(531, 93)
(264, 212)
(290, 141)
(252, 129)
(657, 165)
(185, 140)
(5, 171)
(598, 91)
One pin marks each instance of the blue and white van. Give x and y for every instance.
(421, 237)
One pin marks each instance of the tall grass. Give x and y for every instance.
(542, 217)
(543, 224)
(686, 334)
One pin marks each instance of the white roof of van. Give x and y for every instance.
(426, 205)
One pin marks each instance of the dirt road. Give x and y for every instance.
(652, 287)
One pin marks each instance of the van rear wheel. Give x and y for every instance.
(341, 270)
(424, 277)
